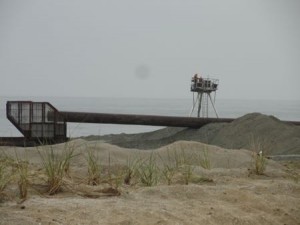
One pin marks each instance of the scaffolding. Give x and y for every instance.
(203, 87)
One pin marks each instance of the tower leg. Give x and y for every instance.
(213, 106)
(194, 104)
(207, 103)
(200, 102)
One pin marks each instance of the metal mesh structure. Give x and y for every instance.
(36, 120)
(203, 87)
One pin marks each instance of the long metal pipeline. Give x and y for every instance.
(170, 121)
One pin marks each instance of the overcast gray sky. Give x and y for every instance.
(149, 48)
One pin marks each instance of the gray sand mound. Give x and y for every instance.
(275, 136)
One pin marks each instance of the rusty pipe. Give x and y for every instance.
(152, 120)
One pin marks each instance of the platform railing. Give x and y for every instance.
(199, 84)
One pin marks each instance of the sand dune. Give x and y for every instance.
(231, 192)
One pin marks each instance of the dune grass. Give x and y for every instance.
(168, 173)
(187, 168)
(184, 164)
(115, 173)
(260, 162)
(131, 169)
(259, 152)
(22, 172)
(204, 159)
(94, 167)
(55, 165)
(149, 171)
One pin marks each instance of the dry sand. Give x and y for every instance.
(233, 194)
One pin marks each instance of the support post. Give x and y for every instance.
(200, 102)
(213, 105)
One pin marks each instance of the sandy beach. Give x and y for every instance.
(229, 192)
(169, 176)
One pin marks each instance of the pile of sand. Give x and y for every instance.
(274, 136)
(233, 196)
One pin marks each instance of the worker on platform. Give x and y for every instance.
(194, 80)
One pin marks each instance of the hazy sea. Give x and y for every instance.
(229, 108)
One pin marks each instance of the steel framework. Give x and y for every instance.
(31, 119)
(203, 87)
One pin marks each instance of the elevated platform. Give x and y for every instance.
(205, 85)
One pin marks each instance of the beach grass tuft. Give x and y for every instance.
(94, 167)
(260, 162)
(259, 151)
(204, 159)
(55, 166)
(187, 171)
(168, 172)
(23, 181)
(132, 165)
(169, 167)
(149, 171)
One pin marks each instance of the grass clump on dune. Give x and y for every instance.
(260, 162)
(259, 150)
(187, 167)
(168, 172)
(94, 167)
(204, 159)
(169, 167)
(23, 181)
(131, 169)
(149, 171)
(183, 164)
(55, 165)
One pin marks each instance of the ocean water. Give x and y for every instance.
(227, 108)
